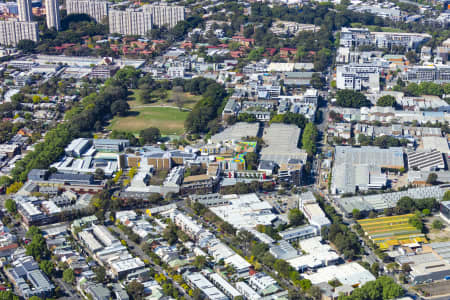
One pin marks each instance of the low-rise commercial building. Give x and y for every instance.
(299, 233)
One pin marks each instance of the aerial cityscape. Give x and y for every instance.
(225, 149)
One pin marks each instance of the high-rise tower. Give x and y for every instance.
(52, 11)
(25, 14)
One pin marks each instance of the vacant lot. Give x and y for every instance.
(168, 119)
(439, 288)
(437, 235)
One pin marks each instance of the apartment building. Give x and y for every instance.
(52, 14)
(130, 21)
(12, 31)
(24, 9)
(358, 76)
(165, 14)
(96, 9)
(356, 37)
(436, 74)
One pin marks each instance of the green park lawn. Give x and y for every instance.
(170, 121)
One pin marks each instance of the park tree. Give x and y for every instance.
(150, 135)
(120, 108)
(129, 76)
(178, 96)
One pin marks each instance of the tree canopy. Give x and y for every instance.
(383, 288)
(386, 100)
(349, 98)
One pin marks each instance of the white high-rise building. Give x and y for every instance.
(52, 14)
(165, 14)
(11, 32)
(25, 14)
(96, 9)
(130, 22)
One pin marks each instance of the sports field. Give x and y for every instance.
(391, 231)
(169, 120)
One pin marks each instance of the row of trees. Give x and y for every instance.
(309, 138)
(423, 88)
(384, 141)
(290, 118)
(203, 117)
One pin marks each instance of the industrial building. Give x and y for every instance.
(282, 144)
(284, 250)
(445, 211)
(425, 160)
(317, 255)
(429, 264)
(361, 168)
(236, 132)
(312, 211)
(299, 233)
(245, 211)
(122, 267)
(421, 177)
(379, 202)
(350, 274)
